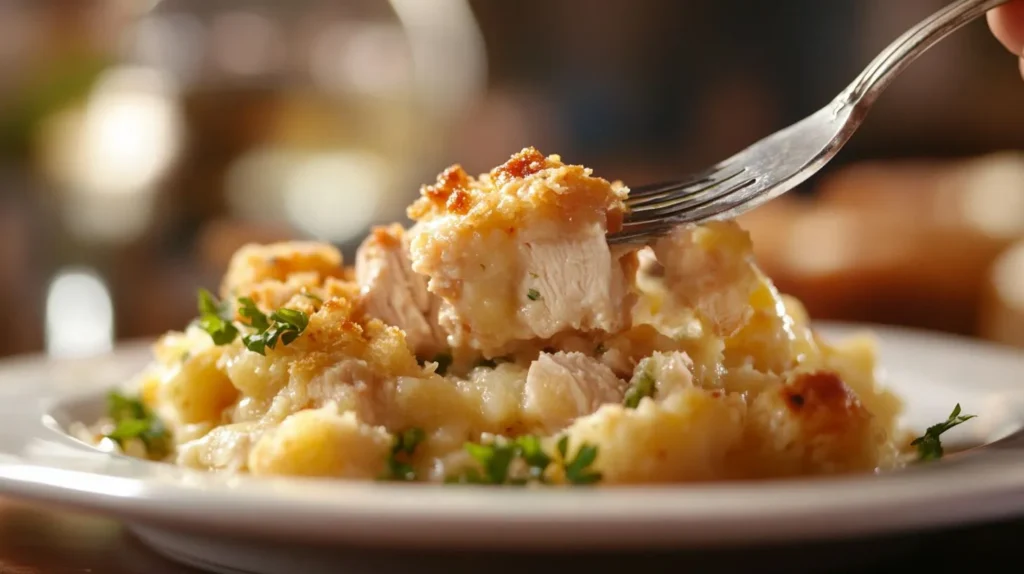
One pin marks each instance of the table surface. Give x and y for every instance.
(38, 539)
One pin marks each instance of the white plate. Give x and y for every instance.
(931, 372)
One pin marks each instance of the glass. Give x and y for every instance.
(326, 116)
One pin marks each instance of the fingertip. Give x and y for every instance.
(1007, 24)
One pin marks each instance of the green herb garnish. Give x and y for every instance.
(496, 462)
(642, 386)
(284, 325)
(403, 448)
(133, 420)
(312, 296)
(577, 470)
(257, 320)
(929, 446)
(533, 294)
(215, 318)
(537, 461)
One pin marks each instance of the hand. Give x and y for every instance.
(1007, 23)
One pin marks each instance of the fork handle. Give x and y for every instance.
(898, 55)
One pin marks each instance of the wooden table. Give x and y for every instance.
(41, 539)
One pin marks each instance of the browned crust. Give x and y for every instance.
(823, 402)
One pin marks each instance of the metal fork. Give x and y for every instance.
(783, 160)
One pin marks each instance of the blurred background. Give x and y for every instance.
(143, 141)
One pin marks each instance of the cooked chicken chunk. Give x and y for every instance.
(561, 387)
(519, 254)
(394, 293)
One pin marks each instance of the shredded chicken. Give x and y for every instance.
(394, 293)
(562, 387)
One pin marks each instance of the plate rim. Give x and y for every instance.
(982, 488)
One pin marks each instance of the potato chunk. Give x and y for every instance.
(321, 442)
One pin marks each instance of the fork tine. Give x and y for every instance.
(664, 186)
(640, 235)
(670, 212)
(673, 196)
(709, 211)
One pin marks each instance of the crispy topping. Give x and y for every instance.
(823, 400)
(562, 187)
(525, 163)
(388, 236)
(434, 198)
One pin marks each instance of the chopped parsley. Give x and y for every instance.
(929, 446)
(215, 319)
(642, 386)
(533, 295)
(498, 462)
(283, 325)
(133, 420)
(257, 320)
(403, 448)
(312, 296)
(577, 470)
(537, 461)
(495, 461)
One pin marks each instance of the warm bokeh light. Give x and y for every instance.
(79, 314)
(334, 196)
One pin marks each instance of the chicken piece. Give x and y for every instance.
(519, 254)
(708, 270)
(563, 386)
(813, 424)
(394, 293)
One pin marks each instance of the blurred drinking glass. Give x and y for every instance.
(319, 114)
